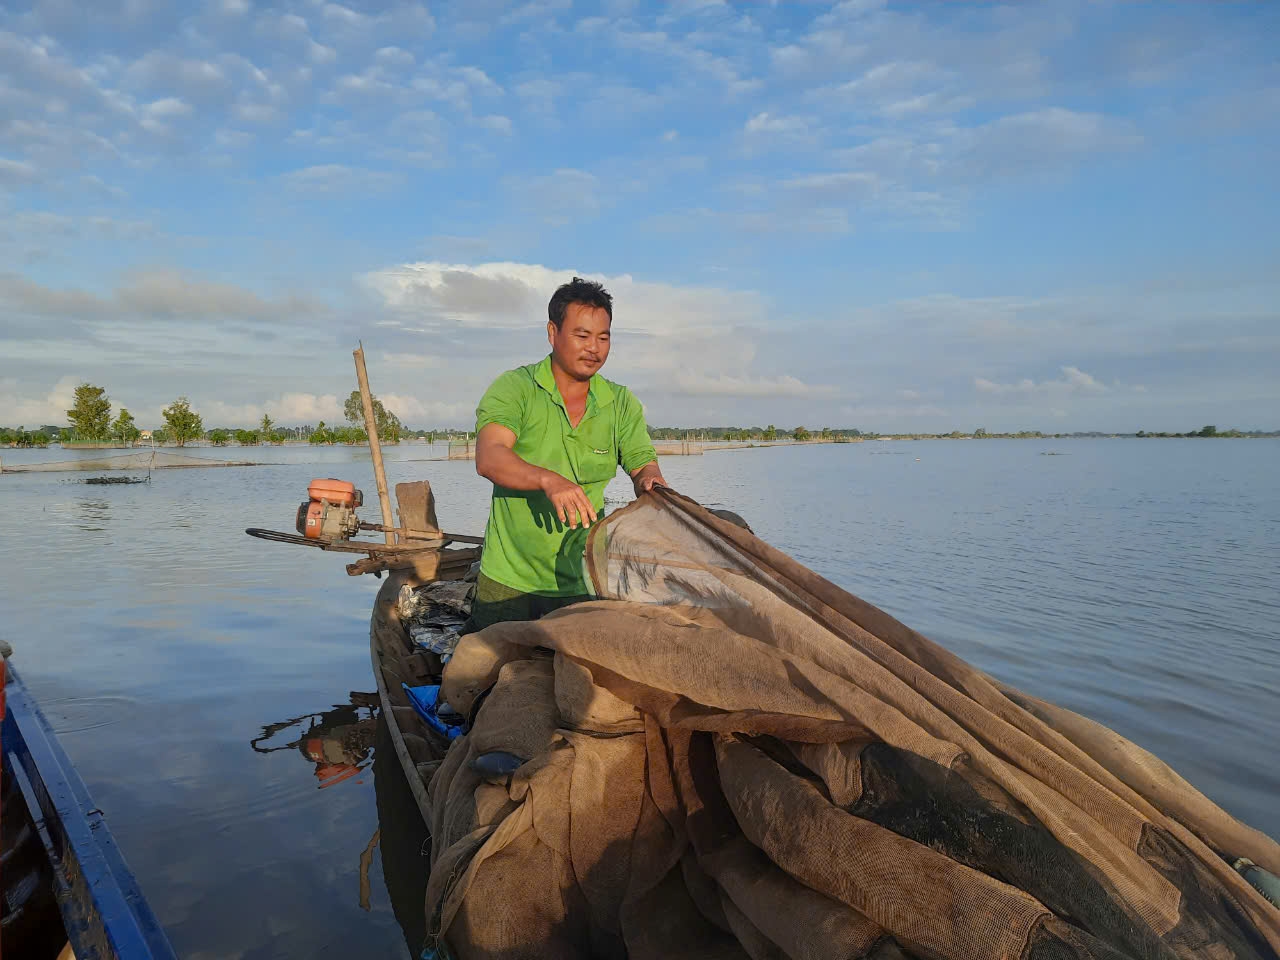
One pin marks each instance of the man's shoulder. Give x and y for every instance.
(618, 393)
(517, 378)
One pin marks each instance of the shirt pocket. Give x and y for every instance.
(597, 455)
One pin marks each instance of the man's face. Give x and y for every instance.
(581, 345)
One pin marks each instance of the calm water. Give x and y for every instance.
(1134, 581)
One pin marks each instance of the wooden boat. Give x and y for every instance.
(396, 660)
(420, 748)
(68, 892)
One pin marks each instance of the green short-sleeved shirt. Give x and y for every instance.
(526, 547)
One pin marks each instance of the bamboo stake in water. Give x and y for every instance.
(375, 448)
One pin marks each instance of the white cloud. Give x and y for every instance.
(420, 414)
(44, 225)
(843, 182)
(773, 131)
(394, 56)
(336, 11)
(16, 172)
(311, 408)
(289, 408)
(497, 123)
(1048, 139)
(153, 294)
(785, 387)
(657, 326)
(769, 124)
(539, 88)
(559, 198)
(260, 113)
(96, 183)
(20, 411)
(338, 178)
(540, 10)
(415, 361)
(885, 416)
(1073, 381)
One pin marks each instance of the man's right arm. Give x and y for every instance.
(497, 461)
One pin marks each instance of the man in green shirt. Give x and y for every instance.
(550, 436)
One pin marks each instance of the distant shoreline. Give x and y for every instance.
(698, 437)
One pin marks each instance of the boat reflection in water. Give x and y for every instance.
(342, 742)
(339, 741)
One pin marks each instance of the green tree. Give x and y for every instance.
(826, 433)
(124, 429)
(321, 435)
(771, 432)
(800, 433)
(264, 428)
(182, 423)
(90, 415)
(980, 432)
(247, 438)
(160, 435)
(389, 426)
(219, 437)
(1207, 431)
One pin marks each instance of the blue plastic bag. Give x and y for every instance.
(424, 700)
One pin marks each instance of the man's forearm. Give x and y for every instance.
(648, 475)
(506, 468)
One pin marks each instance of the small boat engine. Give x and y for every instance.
(330, 514)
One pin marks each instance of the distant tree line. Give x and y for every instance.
(770, 433)
(22, 437)
(1212, 431)
(90, 420)
(767, 434)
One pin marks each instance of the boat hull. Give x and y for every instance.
(104, 913)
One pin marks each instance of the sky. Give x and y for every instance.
(893, 216)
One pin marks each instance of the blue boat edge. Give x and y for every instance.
(103, 908)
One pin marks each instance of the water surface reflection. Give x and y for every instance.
(341, 743)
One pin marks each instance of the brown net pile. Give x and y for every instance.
(731, 757)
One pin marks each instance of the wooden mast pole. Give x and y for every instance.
(375, 448)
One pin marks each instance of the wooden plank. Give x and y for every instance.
(427, 566)
(417, 506)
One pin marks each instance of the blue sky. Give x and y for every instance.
(927, 216)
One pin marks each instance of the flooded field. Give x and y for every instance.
(212, 688)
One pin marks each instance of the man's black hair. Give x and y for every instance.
(586, 292)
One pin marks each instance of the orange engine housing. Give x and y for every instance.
(330, 513)
(340, 493)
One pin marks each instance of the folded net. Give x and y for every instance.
(730, 757)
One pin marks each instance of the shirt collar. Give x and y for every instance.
(599, 392)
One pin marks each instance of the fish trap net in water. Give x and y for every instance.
(142, 460)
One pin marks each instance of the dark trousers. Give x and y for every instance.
(497, 603)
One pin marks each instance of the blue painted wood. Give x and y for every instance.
(105, 914)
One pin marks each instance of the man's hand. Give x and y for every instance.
(570, 500)
(648, 477)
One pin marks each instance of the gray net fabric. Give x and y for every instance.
(732, 757)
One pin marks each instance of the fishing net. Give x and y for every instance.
(730, 757)
(141, 460)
